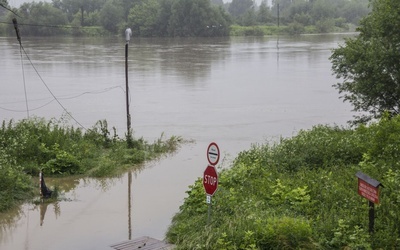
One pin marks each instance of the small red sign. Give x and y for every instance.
(210, 180)
(368, 191)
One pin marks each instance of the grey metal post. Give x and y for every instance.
(128, 33)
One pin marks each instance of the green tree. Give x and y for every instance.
(217, 2)
(144, 18)
(4, 7)
(323, 9)
(238, 8)
(283, 4)
(111, 16)
(220, 22)
(83, 7)
(178, 22)
(4, 10)
(197, 18)
(354, 10)
(249, 18)
(281, 7)
(163, 19)
(44, 17)
(127, 5)
(319, 12)
(264, 13)
(369, 64)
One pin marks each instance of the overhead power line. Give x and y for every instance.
(40, 77)
(5, 7)
(52, 26)
(95, 92)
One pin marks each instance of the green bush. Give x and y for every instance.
(295, 28)
(318, 148)
(300, 193)
(15, 186)
(34, 144)
(325, 25)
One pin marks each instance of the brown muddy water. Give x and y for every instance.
(234, 91)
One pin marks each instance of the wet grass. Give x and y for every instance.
(300, 193)
(57, 149)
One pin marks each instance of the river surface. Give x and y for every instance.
(233, 91)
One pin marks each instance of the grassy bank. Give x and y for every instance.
(300, 193)
(32, 145)
(291, 29)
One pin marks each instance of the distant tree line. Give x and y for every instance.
(177, 17)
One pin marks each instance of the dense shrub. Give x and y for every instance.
(32, 145)
(300, 193)
(15, 186)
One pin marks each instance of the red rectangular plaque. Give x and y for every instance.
(368, 191)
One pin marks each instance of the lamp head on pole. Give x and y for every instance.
(128, 34)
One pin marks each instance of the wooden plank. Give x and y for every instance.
(143, 243)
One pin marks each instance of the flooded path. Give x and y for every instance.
(234, 91)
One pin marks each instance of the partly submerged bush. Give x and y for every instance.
(33, 145)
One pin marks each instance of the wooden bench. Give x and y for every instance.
(143, 243)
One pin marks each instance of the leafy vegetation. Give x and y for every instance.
(33, 145)
(368, 65)
(300, 193)
(149, 18)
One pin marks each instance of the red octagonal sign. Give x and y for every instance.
(210, 180)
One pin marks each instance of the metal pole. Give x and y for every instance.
(209, 209)
(128, 33)
(371, 217)
(128, 116)
(129, 205)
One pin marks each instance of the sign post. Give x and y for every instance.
(369, 189)
(210, 176)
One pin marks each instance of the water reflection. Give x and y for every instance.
(39, 223)
(235, 91)
(43, 209)
(129, 205)
(8, 221)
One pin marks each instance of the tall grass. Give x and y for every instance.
(32, 145)
(300, 193)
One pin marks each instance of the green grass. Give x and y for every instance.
(33, 145)
(300, 193)
(290, 29)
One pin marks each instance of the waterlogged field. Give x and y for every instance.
(234, 91)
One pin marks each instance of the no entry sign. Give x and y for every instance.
(213, 153)
(210, 180)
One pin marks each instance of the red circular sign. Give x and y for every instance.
(210, 180)
(213, 153)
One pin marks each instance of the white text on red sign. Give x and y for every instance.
(367, 191)
(208, 179)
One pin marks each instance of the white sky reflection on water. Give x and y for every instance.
(234, 91)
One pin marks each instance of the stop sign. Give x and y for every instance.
(210, 180)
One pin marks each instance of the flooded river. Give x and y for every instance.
(234, 91)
